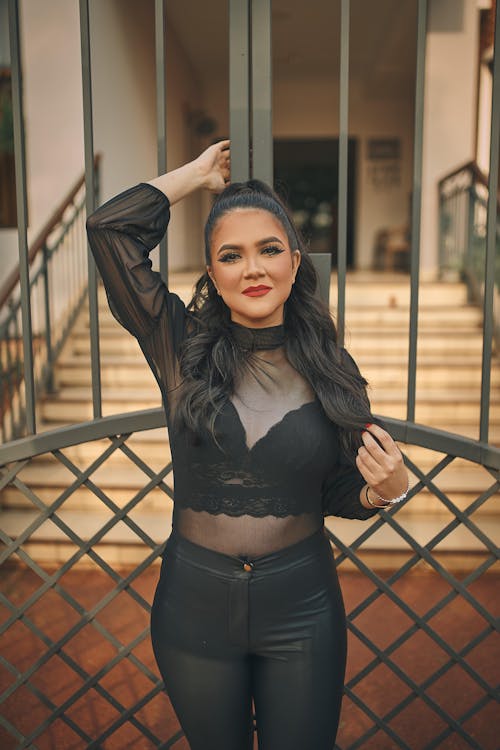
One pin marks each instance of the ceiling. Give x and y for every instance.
(306, 39)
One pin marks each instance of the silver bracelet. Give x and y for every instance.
(393, 501)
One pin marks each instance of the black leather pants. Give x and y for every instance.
(226, 630)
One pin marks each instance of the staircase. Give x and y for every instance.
(377, 315)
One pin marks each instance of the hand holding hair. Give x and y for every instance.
(210, 170)
(215, 164)
(381, 463)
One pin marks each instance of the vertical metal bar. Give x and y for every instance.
(20, 162)
(416, 207)
(11, 374)
(161, 111)
(261, 76)
(90, 205)
(49, 381)
(239, 89)
(343, 164)
(491, 238)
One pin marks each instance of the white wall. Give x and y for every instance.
(50, 42)
(449, 108)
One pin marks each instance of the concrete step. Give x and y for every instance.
(389, 360)
(393, 293)
(356, 317)
(133, 371)
(120, 479)
(400, 334)
(364, 287)
(154, 445)
(158, 528)
(380, 346)
(443, 416)
(446, 418)
(430, 316)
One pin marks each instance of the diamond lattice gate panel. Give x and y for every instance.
(77, 664)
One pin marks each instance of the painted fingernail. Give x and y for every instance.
(369, 424)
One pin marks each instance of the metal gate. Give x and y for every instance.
(422, 690)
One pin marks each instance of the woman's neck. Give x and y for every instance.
(268, 337)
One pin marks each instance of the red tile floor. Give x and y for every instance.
(383, 621)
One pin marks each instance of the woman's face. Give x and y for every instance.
(253, 266)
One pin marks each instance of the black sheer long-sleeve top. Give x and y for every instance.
(276, 468)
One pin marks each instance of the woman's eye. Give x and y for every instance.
(273, 250)
(228, 257)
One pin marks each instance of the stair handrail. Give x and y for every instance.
(463, 211)
(469, 166)
(57, 257)
(39, 242)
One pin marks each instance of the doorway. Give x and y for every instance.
(305, 174)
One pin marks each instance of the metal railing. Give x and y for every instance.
(123, 597)
(57, 289)
(463, 216)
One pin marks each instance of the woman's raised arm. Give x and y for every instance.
(124, 230)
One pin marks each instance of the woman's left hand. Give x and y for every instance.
(382, 466)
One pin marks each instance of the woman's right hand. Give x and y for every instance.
(214, 165)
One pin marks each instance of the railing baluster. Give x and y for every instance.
(11, 373)
(491, 239)
(90, 205)
(343, 168)
(20, 161)
(239, 88)
(416, 207)
(49, 380)
(469, 249)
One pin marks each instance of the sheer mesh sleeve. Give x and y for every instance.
(342, 486)
(341, 492)
(122, 233)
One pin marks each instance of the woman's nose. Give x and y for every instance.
(253, 267)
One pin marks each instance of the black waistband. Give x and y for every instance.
(220, 561)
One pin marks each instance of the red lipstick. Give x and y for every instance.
(256, 291)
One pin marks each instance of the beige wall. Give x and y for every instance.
(449, 109)
(50, 42)
(309, 107)
(125, 116)
(317, 116)
(124, 88)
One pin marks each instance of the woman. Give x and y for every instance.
(270, 430)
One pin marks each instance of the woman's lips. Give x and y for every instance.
(257, 291)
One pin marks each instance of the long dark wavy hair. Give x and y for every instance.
(211, 359)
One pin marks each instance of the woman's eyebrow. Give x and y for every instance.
(270, 239)
(233, 246)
